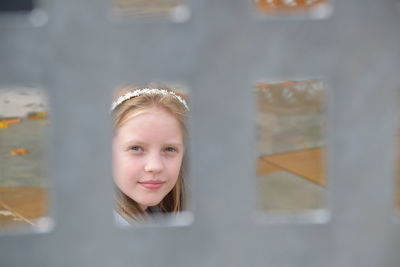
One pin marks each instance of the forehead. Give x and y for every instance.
(152, 124)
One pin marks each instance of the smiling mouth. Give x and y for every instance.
(151, 184)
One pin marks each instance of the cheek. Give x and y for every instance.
(116, 157)
(175, 168)
(122, 168)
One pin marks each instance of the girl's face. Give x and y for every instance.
(147, 152)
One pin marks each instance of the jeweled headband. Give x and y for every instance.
(146, 91)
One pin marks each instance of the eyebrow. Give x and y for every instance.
(133, 141)
(174, 143)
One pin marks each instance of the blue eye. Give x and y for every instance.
(170, 149)
(136, 148)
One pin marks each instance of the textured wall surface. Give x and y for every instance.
(80, 55)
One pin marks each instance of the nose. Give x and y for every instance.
(153, 163)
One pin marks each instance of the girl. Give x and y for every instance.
(149, 146)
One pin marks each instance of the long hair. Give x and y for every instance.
(175, 200)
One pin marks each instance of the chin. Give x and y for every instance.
(150, 202)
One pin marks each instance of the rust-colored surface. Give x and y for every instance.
(19, 151)
(288, 6)
(265, 168)
(308, 163)
(21, 206)
(8, 218)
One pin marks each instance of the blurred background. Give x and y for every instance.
(291, 126)
(290, 121)
(23, 135)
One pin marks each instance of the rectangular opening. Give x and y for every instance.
(24, 185)
(150, 154)
(16, 5)
(173, 10)
(291, 128)
(294, 8)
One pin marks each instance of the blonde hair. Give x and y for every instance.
(175, 200)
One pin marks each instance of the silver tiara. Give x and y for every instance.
(147, 91)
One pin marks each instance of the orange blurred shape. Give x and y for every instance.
(3, 125)
(276, 6)
(289, 83)
(10, 120)
(262, 85)
(38, 115)
(19, 151)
